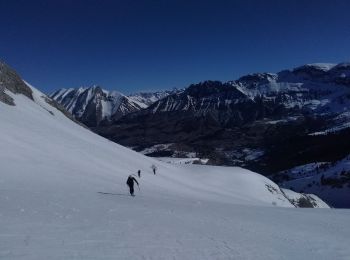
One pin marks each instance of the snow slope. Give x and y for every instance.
(329, 180)
(52, 170)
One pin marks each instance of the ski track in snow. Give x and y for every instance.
(50, 208)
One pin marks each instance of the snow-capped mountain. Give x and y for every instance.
(250, 121)
(320, 88)
(63, 196)
(94, 105)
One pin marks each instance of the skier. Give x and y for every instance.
(154, 168)
(139, 173)
(130, 183)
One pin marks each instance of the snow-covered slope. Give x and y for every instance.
(52, 170)
(329, 180)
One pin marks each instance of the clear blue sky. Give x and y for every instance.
(148, 45)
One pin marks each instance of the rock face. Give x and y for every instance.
(5, 98)
(266, 122)
(11, 81)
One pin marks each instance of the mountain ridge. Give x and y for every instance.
(95, 106)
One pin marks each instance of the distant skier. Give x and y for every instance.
(154, 168)
(139, 173)
(130, 183)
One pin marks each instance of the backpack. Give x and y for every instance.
(129, 181)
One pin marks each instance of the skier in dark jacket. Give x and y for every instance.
(139, 173)
(154, 169)
(130, 183)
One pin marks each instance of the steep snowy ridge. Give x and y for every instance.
(52, 171)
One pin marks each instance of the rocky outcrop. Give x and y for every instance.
(11, 81)
(5, 98)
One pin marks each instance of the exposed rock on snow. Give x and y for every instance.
(11, 81)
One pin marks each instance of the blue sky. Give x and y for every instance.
(148, 45)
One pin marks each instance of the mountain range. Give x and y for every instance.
(95, 106)
(266, 122)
